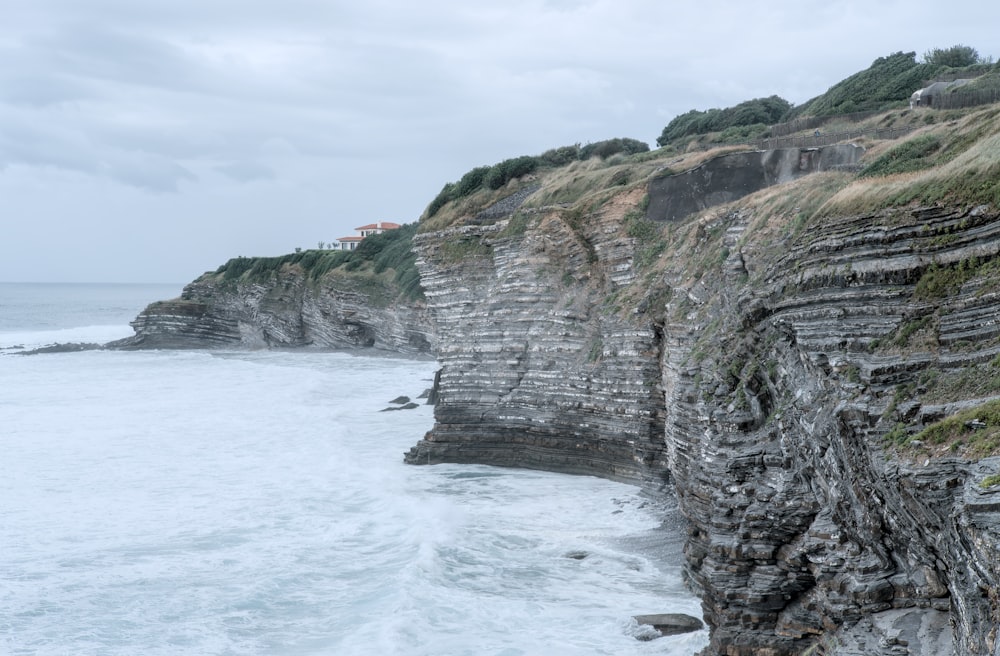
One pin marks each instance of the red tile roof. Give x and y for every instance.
(384, 225)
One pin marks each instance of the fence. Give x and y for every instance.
(828, 138)
(817, 140)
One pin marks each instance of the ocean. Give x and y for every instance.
(224, 502)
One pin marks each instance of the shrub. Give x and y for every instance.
(976, 426)
(609, 147)
(740, 133)
(907, 331)
(446, 194)
(955, 56)
(471, 181)
(912, 155)
(943, 281)
(510, 169)
(765, 111)
(560, 156)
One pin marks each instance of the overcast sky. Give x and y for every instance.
(152, 140)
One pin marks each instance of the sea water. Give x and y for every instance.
(195, 502)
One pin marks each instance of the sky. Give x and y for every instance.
(152, 140)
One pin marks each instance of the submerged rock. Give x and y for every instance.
(407, 406)
(64, 348)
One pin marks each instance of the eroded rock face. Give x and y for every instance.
(763, 389)
(285, 311)
(536, 371)
(803, 523)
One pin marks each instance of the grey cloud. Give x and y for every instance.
(246, 171)
(149, 172)
(53, 146)
(42, 90)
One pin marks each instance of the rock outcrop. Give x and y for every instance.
(285, 310)
(729, 177)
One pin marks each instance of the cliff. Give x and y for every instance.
(773, 360)
(537, 369)
(287, 307)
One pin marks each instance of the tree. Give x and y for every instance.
(956, 56)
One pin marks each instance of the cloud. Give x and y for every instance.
(147, 171)
(246, 171)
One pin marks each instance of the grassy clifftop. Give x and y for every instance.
(947, 156)
(384, 262)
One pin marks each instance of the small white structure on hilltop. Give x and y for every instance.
(925, 97)
(351, 242)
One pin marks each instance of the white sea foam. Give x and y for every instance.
(256, 503)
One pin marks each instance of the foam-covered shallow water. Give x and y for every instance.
(256, 503)
(34, 315)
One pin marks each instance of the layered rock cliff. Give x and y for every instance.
(284, 309)
(774, 363)
(537, 367)
(805, 519)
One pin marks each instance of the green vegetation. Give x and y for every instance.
(750, 115)
(609, 147)
(964, 169)
(897, 434)
(650, 242)
(990, 481)
(510, 169)
(908, 329)
(911, 155)
(978, 428)
(987, 81)
(517, 225)
(497, 176)
(943, 281)
(956, 57)
(975, 381)
(596, 349)
(387, 257)
(888, 82)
